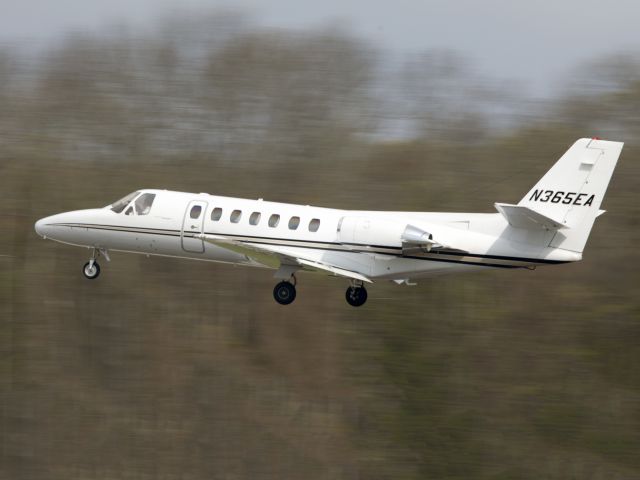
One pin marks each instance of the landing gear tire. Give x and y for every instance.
(356, 296)
(91, 271)
(284, 293)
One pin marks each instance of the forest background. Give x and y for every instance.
(166, 368)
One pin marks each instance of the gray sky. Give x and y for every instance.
(536, 41)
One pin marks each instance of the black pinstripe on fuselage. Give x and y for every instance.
(448, 256)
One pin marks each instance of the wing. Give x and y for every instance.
(286, 259)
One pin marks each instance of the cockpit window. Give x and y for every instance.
(143, 203)
(121, 204)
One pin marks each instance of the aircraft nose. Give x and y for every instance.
(60, 226)
(41, 227)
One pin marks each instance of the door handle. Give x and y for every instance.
(194, 227)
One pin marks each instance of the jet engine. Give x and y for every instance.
(385, 233)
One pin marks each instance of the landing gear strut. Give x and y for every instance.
(91, 269)
(356, 294)
(285, 292)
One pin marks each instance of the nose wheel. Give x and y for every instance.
(91, 270)
(356, 295)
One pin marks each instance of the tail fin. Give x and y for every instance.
(572, 191)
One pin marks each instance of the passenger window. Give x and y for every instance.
(216, 214)
(236, 215)
(195, 211)
(144, 202)
(254, 219)
(294, 222)
(274, 220)
(314, 225)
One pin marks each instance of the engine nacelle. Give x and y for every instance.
(368, 231)
(385, 233)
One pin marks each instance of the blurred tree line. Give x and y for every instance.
(172, 369)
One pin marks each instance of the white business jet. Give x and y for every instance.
(550, 225)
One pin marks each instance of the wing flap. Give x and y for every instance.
(335, 270)
(276, 256)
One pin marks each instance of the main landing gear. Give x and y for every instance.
(285, 292)
(356, 294)
(91, 269)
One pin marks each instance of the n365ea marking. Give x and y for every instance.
(568, 198)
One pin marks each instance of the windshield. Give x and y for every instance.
(121, 204)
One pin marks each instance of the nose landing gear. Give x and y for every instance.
(91, 269)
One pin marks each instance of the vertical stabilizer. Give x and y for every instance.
(572, 191)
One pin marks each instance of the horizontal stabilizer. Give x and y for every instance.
(524, 217)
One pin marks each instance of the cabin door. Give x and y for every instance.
(193, 227)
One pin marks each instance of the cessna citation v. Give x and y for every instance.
(550, 225)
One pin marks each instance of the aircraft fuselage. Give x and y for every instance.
(550, 225)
